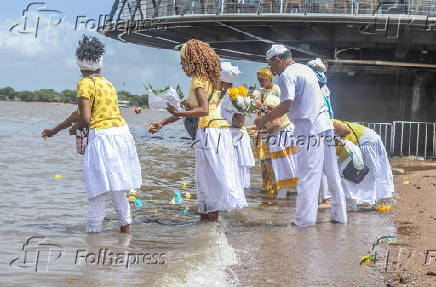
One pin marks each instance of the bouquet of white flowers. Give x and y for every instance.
(161, 99)
(241, 101)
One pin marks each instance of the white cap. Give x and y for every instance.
(228, 72)
(275, 51)
(317, 65)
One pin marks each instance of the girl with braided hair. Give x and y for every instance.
(216, 170)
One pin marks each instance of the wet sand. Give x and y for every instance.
(414, 216)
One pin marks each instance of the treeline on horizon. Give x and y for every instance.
(65, 96)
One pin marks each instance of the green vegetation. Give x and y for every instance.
(66, 96)
(160, 91)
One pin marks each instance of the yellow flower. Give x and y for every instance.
(233, 93)
(132, 198)
(242, 91)
(364, 259)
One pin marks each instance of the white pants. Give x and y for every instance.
(96, 209)
(324, 192)
(318, 155)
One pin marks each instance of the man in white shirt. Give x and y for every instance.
(302, 100)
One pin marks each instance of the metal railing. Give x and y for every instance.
(404, 138)
(385, 131)
(125, 10)
(415, 139)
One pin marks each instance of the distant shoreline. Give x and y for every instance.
(50, 103)
(38, 102)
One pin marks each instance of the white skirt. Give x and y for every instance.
(216, 171)
(283, 155)
(111, 162)
(378, 183)
(244, 155)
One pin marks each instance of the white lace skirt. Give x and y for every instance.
(378, 183)
(244, 155)
(111, 162)
(216, 172)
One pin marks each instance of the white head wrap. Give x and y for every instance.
(275, 51)
(317, 65)
(86, 65)
(228, 72)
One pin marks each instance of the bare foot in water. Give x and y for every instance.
(212, 216)
(125, 229)
(324, 204)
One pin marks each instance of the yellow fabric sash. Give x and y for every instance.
(284, 153)
(291, 182)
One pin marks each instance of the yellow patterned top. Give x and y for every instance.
(214, 119)
(358, 130)
(105, 113)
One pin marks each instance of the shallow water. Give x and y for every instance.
(255, 247)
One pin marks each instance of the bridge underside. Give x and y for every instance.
(382, 37)
(381, 68)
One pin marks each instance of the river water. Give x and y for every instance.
(167, 246)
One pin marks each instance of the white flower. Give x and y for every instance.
(240, 101)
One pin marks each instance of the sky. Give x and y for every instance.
(48, 61)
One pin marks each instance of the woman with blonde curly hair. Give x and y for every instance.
(216, 170)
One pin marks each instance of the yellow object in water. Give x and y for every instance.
(382, 208)
(184, 184)
(132, 198)
(172, 202)
(188, 195)
(58, 176)
(155, 211)
(133, 192)
(406, 182)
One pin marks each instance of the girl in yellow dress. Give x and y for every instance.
(216, 170)
(277, 152)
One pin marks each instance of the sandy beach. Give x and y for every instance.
(414, 215)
